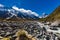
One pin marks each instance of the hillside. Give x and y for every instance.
(55, 15)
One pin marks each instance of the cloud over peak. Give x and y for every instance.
(29, 12)
(1, 5)
(20, 12)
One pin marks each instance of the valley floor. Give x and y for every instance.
(38, 30)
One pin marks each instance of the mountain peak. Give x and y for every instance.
(18, 14)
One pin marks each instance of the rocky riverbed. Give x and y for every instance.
(37, 29)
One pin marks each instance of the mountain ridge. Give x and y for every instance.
(12, 14)
(55, 15)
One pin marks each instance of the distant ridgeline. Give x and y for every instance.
(12, 14)
(55, 15)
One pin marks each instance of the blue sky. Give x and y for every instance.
(38, 6)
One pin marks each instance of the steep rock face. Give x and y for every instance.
(55, 15)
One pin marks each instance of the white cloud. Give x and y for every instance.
(14, 7)
(29, 12)
(1, 5)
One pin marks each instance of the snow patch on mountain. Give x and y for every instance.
(18, 12)
(12, 14)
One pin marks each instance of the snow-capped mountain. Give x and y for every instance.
(15, 12)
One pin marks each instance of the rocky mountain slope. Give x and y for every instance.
(55, 15)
